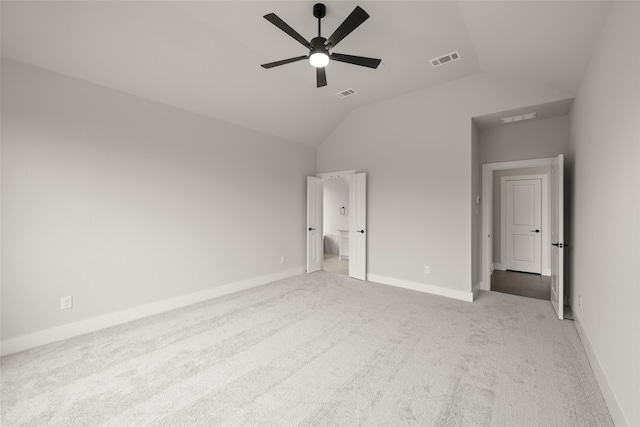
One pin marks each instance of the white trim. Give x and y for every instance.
(487, 208)
(476, 290)
(609, 397)
(421, 287)
(314, 229)
(47, 336)
(347, 174)
(338, 174)
(545, 267)
(498, 266)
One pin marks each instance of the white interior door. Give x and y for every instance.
(358, 226)
(314, 224)
(523, 224)
(557, 235)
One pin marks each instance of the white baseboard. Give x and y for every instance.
(69, 330)
(612, 403)
(476, 290)
(422, 287)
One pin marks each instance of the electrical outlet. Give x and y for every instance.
(66, 302)
(282, 259)
(580, 301)
(427, 270)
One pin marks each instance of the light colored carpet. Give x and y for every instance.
(322, 350)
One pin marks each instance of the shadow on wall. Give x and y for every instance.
(331, 244)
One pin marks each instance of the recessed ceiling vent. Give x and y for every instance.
(519, 118)
(345, 93)
(449, 57)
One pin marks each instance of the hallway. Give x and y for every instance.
(521, 284)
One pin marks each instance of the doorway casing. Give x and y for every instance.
(357, 221)
(487, 209)
(545, 257)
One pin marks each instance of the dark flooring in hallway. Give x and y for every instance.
(522, 284)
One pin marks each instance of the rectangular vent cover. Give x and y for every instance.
(346, 93)
(519, 118)
(449, 57)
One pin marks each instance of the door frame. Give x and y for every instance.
(315, 244)
(487, 209)
(347, 174)
(330, 175)
(545, 259)
(338, 174)
(358, 220)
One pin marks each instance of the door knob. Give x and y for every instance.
(360, 231)
(311, 229)
(535, 231)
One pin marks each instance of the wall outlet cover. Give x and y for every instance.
(66, 302)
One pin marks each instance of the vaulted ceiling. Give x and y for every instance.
(205, 56)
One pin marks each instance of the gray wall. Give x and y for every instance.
(526, 140)
(605, 247)
(120, 201)
(417, 151)
(336, 195)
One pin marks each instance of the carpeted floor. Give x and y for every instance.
(323, 350)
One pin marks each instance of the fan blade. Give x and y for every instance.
(275, 20)
(321, 76)
(284, 61)
(353, 21)
(356, 60)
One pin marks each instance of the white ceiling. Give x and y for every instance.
(205, 56)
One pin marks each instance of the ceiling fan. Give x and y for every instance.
(319, 47)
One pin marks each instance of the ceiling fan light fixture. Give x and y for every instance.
(319, 59)
(319, 46)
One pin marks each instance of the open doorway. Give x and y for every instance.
(351, 243)
(336, 225)
(528, 285)
(521, 255)
(555, 224)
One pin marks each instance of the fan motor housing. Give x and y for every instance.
(318, 44)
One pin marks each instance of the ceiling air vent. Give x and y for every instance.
(519, 118)
(345, 93)
(449, 57)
